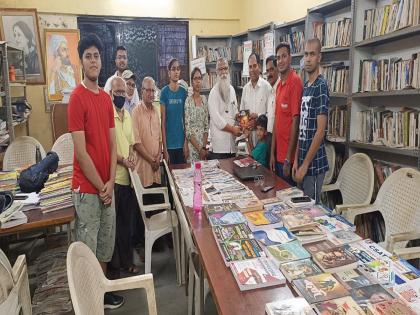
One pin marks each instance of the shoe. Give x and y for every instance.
(112, 301)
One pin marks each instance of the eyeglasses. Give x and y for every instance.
(223, 69)
(131, 85)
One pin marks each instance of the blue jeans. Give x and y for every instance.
(279, 173)
(312, 186)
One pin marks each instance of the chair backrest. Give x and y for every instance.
(330, 150)
(59, 120)
(64, 148)
(139, 190)
(356, 180)
(6, 277)
(21, 152)
(86, 280)
(398, 201)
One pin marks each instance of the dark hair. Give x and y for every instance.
(262, 121)
(273, 59)
(283, 45)
(88, 41)
(26, 31)
(257, 57)
(120, 48)
(196, 69)
(171, 62)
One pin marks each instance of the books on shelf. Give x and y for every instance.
(333, 34)
(292, 306)
(256, 273)
(240, 53)
(344, 305)
(209, 80)
(296, 40)
(257, 47)
(391, 17)
(337, 76)
(337, 123)
(287, 252)
(299, 269)
(213, 53)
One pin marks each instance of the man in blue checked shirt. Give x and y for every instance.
(311, 162)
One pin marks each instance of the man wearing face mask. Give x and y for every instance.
(125, 199)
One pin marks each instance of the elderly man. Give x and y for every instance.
(62, 76)
(121, 62)
(256, 93)
(223, 108)
(130, 81)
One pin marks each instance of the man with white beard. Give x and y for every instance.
(223, 108)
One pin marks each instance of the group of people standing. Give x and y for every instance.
(118, 129)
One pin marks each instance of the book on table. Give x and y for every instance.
(340, 306)
(234, 232)
(343, 237)
(379, 271)
(288, 193)
(299, 269)
(410, 293)
(262, 217)
(371, 293)
(353, 279)
(297, 219)
(240, 250)
(286, 252)
(256, 273)
(294, 306)
(332, 223)
(209, 209)
(311, 234)
(275, 236)
(390, 307)
(226, 218)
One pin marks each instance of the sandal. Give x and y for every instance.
(133, 269)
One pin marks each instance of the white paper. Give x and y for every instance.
(268, 48)
(246, 54)
(200, 63)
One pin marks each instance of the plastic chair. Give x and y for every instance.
(355, 182)
(21, 153)
(197, 284)
(158, 224)
(88, 284)
(398, 201)
(64, 148)
(330, 150)
(14, 286)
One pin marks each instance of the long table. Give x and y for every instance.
(226, 294)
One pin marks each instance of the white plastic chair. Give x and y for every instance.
(355, 182)
(88, 284)
(398, 201)
(64, 148)
(21, 153)
(14, 286)
(158, 224)
(197, 283)
(330, 150)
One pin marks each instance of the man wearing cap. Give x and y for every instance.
(62, 74)
(121, 62)
(130, 81)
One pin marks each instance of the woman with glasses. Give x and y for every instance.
(196, 119)
(172, 101)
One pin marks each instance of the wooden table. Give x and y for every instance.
(226, 294)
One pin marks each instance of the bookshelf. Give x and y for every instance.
(237, 57)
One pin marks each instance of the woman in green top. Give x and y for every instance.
(196, 119)
(259, 152)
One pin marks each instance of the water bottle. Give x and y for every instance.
(38, 157)
(197, 201)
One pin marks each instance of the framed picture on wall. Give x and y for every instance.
(19, 27)
(61, 63)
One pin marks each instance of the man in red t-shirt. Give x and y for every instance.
(91, 123)
(287, 110)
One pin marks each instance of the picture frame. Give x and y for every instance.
(19, 27)
(63, 71)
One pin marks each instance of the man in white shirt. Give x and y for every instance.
(223, 108)
(256, 93)
(274, 79)
(121, 62)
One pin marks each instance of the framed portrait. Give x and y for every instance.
(19, 27)
(61, 63)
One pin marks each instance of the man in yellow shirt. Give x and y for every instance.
(126, 206)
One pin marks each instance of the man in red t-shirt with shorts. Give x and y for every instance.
(91, 123)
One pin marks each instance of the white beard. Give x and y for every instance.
(224, 88)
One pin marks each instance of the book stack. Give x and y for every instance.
(389, 18)
(333, 34)
(296, 40)
(337, 124)
(337, 75)
(56, 194)
(213, 53)
(8, 181)
(389, 74)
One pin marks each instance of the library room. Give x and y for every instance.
(183, 157)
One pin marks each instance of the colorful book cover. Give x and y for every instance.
(352, 279)
(274, 236)
(271, 200)
(316, 211)
(380, 271)
(293, 306)
(287, 252)
(361, 253)
(276, 207)
(299, 269)
(390, 307)
(295, 219)
(256, 273)
(262, 217)
(410, 293)
(335, 259)
(226, 207)
(240, 250)
(370, 294)
(319, 288)
(344, 237)
(233, 232)
(341, 306)
(331, 224)
(226, 218)
(315, 247)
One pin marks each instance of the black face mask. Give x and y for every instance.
(119, 101)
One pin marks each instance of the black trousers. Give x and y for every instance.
(176, 156)
(220, 156)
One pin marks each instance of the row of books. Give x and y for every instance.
(238, 79)
(209, 80)
(296, 40)
(337, 76)
(389, 74)
(389, 18)
(240, 53)
(337, 124)
(258, 47)
(333, 34)
(214, 53)
(397, 128)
